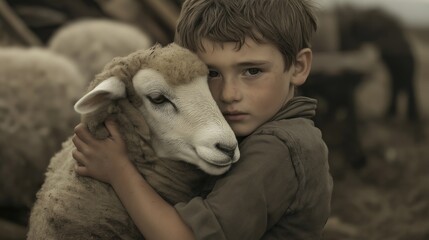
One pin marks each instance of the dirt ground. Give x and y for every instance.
(389, 197)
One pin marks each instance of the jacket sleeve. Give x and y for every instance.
(250, 198)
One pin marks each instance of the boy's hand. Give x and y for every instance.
(104, 159)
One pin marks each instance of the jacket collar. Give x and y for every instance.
(297, 107)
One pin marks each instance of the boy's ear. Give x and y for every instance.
(108, 90)
(302, 67)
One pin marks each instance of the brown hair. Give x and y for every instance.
(288, 24)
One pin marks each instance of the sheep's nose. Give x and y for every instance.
(227, 149)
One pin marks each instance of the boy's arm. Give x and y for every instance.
(107, 161)
(250, 198)
(154, 217)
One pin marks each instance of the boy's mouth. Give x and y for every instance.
(235, 115)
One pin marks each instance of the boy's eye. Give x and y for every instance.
(213, 74)
(252, 71)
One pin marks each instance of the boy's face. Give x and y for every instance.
(249, 85)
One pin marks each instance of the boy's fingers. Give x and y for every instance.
(113, 129)
(78, 143)
(81, 130)
(78, 156)
(81, 170)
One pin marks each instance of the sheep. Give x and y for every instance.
(37, 90)
(175, 134)
(91, 43)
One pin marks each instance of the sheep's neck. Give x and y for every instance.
(175, 181)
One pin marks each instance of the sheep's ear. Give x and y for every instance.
(108, 90)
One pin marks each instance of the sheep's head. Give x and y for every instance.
(168, 86)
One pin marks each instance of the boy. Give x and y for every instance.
(257, 52)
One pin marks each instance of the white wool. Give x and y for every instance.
(37, 91)
(91, 43)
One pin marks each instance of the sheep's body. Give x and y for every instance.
(92, 43)
(37, 90)
(72, 207)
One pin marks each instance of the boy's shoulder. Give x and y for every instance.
(291, 131)
(299, 135)
(293, 122)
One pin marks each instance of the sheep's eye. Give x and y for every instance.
(157, 98)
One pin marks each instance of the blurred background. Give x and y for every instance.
(370, 75)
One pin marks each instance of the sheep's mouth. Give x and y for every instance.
(214, 166)
(213, 161)
(219, 164)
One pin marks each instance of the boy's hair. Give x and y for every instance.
(287, 24)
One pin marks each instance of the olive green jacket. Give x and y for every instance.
(279, 189)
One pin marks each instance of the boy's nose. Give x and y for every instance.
(230, 92)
